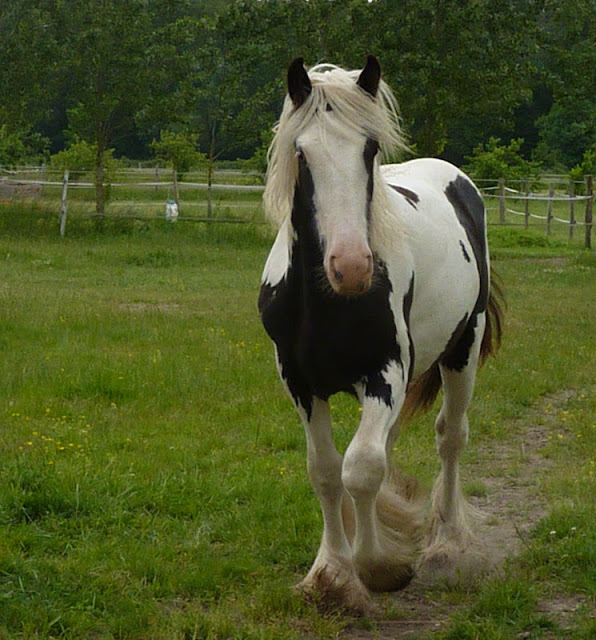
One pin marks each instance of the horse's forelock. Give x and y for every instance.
(356, 110)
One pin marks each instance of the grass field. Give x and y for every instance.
(152, 471)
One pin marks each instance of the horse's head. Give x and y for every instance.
(335, 168)
(323, 170)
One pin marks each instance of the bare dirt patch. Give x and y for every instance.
(511, 503)
(141, 307)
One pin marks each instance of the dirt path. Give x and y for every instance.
(510, 474)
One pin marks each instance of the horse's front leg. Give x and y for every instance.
(388, 524)
(332, 579)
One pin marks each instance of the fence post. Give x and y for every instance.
(588, 218)
(502, 200)
(571, 209)
(527, 205)
(156, 178)
(549, 209)
(64, 204)
(176, 189)
(43, 179)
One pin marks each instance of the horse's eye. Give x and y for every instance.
(300, 155)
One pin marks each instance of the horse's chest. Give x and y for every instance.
(329, 342)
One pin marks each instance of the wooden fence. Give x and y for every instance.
(513, 201)
(560, 201)
(148, 194)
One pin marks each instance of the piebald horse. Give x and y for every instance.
(378, 284)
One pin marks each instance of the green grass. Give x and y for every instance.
(152, 474)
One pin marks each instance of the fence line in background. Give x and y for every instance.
(504, 193)
(30, 182)
(12, 186)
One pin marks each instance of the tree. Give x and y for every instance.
(103, 48)
(178, 149)
(568, 60)
(459, 68)
(27, 71)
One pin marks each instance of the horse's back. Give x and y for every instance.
(435, 173)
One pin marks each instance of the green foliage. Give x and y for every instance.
(17, 147)
(587, 167)
(179, 150)
(259, 160)
(568, 62)
(494, 160)
(565, 131)
(81, 156)
(12, 148)
(118, 76)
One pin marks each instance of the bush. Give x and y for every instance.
(178, 149)
(82, 156)
(19, 147)
(495, 160)
(587, 167)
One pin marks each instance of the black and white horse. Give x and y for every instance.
(378, 284)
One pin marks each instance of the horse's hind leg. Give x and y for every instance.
(449, 532)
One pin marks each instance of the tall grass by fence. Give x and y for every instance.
(138, 193)
(552, 202)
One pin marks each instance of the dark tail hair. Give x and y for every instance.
(423, 391)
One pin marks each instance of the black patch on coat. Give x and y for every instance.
(457, 352)
(469, 210)
(377, 387)
(371, 149)
(411, 197)
(407, 307)
(463, 248)
(326, 343)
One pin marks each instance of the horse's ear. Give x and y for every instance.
(370, 77)
(299, 86)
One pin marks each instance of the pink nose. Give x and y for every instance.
(351, 274)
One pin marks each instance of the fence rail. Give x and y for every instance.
(142, 194)
(504, 195)
(560, 202)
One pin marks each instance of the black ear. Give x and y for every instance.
(371, 76)
(299, 86)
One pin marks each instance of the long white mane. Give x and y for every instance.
(376, 118)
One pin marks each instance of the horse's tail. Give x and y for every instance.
(495, 314)
(423, 391)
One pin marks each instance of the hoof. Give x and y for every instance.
(451, 566)
(334, 590)
(382, 577)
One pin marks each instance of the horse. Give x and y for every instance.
(378, 284)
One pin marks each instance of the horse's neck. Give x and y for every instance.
(307, 256)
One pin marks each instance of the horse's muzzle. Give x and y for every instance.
(351, 274)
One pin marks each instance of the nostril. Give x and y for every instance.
(337, 274)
